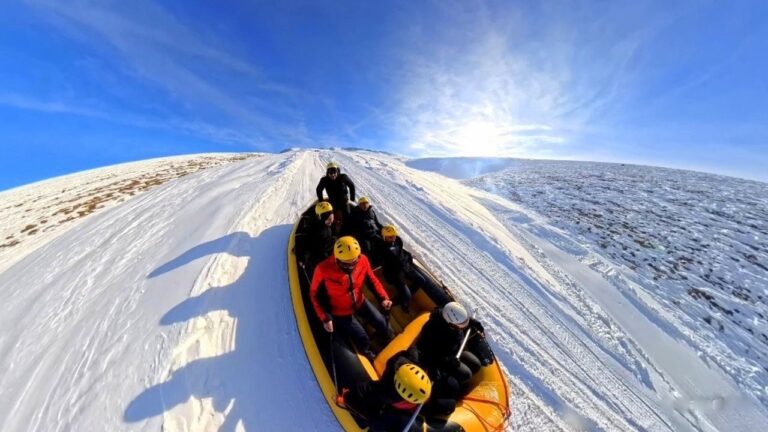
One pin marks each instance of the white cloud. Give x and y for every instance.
(508, 82)
(200, 130)
(28, 103)
(199, 73)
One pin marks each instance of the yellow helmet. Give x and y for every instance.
(323, 207)
(388, 231)
(412, 383)
(346, 249)
(362, 200)
(332, 165)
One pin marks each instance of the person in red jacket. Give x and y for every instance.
(342, 276)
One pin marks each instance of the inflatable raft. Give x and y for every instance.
(484, 408)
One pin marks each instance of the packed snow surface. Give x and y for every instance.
(691, 248)
(35, 214)
(171, 309)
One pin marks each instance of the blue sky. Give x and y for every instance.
(680, 84)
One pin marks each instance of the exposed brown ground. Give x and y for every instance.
(58, 211)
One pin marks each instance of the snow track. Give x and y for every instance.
(560, 328)
(559, 366)
(172, 310)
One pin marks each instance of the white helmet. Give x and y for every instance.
(454, 313)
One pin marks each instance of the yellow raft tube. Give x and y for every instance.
(484, 409)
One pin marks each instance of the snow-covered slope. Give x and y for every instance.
(463, 167)
(171, 310)
(691, 248)
(34, 214)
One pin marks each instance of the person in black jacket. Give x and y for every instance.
(388, 403)
(339, 188)
(364, 224)
(440, 340)
(315, 237)
(399, 270)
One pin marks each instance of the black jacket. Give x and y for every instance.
(365, 224)
(314, 240)
(339, 191)
(371, 397)
(439, 342)
(393, 257)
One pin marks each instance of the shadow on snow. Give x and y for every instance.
(259, 382)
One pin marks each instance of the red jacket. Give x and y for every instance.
(337, 284)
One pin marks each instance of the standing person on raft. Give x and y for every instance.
(339, 188)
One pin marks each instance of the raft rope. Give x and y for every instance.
(413, 418)
(505, 411)
(333, 365)
(341, 404)
(486, 424)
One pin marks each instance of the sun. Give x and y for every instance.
(478, 138)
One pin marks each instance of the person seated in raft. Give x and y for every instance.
(398, 268)
(342, 276)
(440, 340)
(339, 188)
(364, 224)
(389, 403)
(315, 236)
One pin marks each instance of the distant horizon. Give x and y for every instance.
(410, 159)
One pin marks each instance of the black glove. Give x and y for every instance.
(476, 326)
(480, 348)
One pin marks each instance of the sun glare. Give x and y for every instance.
(479, 138)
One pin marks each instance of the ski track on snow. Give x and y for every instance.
(704, 397)
(534, 343)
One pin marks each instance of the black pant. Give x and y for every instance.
(367, 243)
(445, 393)
(469, 365)
(418, 281)
(397, 279)
(341, 207)
(350, 327)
